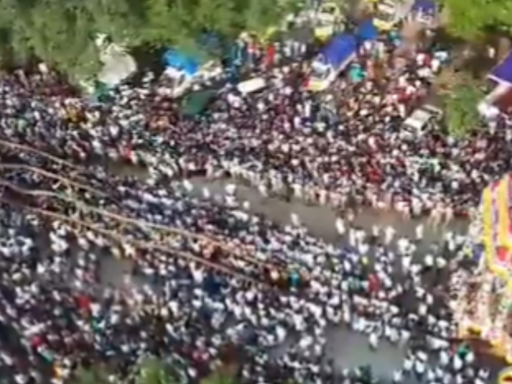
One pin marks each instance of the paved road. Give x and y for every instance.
(347, 348)
(320, 219)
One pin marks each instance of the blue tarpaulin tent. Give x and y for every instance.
(502, 73)
(425, 7)
(181, 62)
(366, 31)
(338, 50)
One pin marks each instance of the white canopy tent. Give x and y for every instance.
(117, 66)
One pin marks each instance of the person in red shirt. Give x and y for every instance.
(84, 303)
(373, 283)
(36, 341)
(270, 56)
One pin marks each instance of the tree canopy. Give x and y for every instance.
(470, 18)
(62, 32)
(460, 95)
(148, 371)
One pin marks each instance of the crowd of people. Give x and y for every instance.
(210, 280)
(213, 281)
(350, 145)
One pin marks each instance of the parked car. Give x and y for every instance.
(423, 116)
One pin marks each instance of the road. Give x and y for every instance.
(347, 348)
(320, 219)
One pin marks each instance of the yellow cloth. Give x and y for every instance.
(487, 235)
(57, 371)
(502, 209)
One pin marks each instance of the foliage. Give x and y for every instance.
(219, 378)
(91, 376)
(470, 18)
(62, 32)
(460, 104)
(150, 371)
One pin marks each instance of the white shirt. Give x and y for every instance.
(419, 367)
(340, 226)
(419, 231)
(230, 189)
(294, 218)
(457, 363)
(373, 340)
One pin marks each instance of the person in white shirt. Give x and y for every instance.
(408, 365)
(295, 219)
(428, 261)
(373, 340)
(340, 226)
(397, 376)
(419, 231)
(457, 363)
(406, 262)
(230, 189)
(419, 369)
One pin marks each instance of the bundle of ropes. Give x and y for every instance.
(66, 193)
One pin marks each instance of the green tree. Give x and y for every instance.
(62, 32)
(470, 18)
(51, 30)
(488, 21)
(91, 376)
(460, 98)
(219, 378)
(151, 371)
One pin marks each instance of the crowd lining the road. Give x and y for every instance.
(216, 277)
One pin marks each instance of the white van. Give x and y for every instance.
(422, 117)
